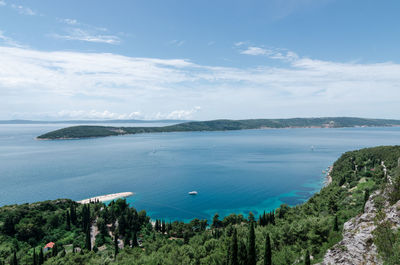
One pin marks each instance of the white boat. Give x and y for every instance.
(192, 192)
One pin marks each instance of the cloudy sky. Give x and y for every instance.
(210, 59)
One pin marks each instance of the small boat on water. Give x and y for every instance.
(192, 192)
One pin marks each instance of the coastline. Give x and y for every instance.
(107, 197)
(328, 177)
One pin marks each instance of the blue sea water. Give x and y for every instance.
(233, 171)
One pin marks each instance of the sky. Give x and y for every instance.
(199, 60)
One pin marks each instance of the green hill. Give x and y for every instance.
(126, 236)
(86, 131)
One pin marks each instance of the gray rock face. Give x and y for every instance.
(357, 245)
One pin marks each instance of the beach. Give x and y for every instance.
(107, 197)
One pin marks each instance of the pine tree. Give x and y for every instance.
(268, 255)
(41, 257)
(251, 256)
(234, 248)
(307, 260)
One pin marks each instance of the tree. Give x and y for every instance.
(216, 222)
(251, 257)
(54, 250)
(251, 217)
(234, 249)
(88, 243)
(41, 257)
(14, 259)
(307, 260)
(72, 210)
(366, 197)
(116, 248)
(134, 239)
(335, 224)
(68, 226)
(34, 257)
(242, 253)
(268, 255)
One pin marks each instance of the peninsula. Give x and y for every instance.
(108, 197)
(88, 131)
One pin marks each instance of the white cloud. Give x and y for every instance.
(280, 54)
(8, 41)
(83, 35)
(178, 43)
(177, 114)
(95, 115)
(69, 21)
(24, 10)
(3, 3)
(38, 81)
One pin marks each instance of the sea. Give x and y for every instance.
(232, 171)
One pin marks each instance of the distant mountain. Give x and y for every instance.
(87, 121)
(87, 131)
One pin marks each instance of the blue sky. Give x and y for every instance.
(199, 59)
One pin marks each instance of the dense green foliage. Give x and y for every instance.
(285, 236)
(215, 125)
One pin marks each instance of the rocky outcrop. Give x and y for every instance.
(357, 245)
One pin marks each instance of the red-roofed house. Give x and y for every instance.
(49, 246)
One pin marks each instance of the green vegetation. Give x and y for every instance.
(287, 235)
(86, 131)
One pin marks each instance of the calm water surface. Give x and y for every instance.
(237, 171)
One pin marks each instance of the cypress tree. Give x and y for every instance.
(127, 240)
(116, 249)
(88, 243)
(268, 255)
(335, 224)
(163, 229)
(251, 256)
(134, 239)
(366, 197)
(234, 257)
(41, 257)
(68, 221)
(15, 260)
(54, 250)
(307, 260)
(34, 257)
(72, 210)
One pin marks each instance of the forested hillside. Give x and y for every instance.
(117, 234)
(86, 131)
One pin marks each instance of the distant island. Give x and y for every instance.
(89, 131)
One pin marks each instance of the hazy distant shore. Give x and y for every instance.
(89, 131)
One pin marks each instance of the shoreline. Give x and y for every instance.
(107, 197)
(328, 177)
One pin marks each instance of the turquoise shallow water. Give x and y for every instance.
(236, 171)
